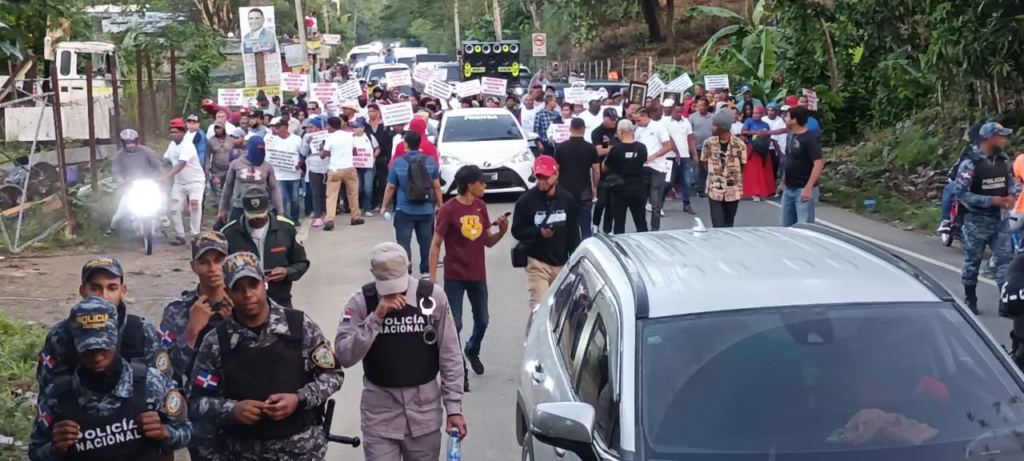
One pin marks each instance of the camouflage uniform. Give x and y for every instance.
(172, 327)
(53, 355)
(98, 330)
(206, 400)
(983, 223)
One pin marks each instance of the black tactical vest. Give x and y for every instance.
(400, 356)
(181, 376)
(116, 437)
(991, 176)
(257, 373)
(132, 345)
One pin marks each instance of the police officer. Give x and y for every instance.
(985, 187)
(272, 239)
(103, 277)
(106, 407)
(401, 329)
(190, 317)
(264, 374)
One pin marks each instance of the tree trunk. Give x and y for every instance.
(649, 8)
(496, 11)
(534, 15)
(832, 68)
(670, 19)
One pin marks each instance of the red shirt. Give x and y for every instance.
(464, 229)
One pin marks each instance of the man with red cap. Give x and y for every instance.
(189, 181)
(544, 224)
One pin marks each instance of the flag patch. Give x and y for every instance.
(166, 337)
(46, 359)
(206, 380)
(44, 417)
(967, 175)
(347, 316)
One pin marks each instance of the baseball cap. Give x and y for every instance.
(101, 263)
(208, 103)
(177, 123)
(317, 122)
(240, 265)
(244, 111)
(772, 105)
(744, 89)
(784, 108)
(389, 265)
(192, 118)
(209, 240)
(723, 119)
(93, 325)
(668, 103)
(256, 202)
(220, 124)
(357, 123)
(991, 129)
(545, 165)
(238, 133)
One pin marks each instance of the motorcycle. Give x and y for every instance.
(956, 224)
(146, 203)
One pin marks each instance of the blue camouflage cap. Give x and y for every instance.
(241, 265)
(744, 89)
(101, 263)
(991, 129)
(94, 325)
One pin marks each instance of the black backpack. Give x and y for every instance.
(420, 185)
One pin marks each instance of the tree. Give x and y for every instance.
(650, 11)
(25, 24)
(218, 14)
(741, 29)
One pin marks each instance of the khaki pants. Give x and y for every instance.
(538, 279)
(334, 181)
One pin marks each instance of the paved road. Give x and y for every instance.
(340, 266)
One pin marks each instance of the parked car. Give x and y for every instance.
(797, 343)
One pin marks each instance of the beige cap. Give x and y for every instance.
(390, 267)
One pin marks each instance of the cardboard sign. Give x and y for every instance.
(268, 91)
(282, 159)
(396, 114)
(681, 83)
(398, 78)
(439, 74)
(316, 141)
(655, 85)
(496, 86)
(468, 88)
(423, 74)
(230, 97)
(294, 82)
(348, 91)
(362, 157)
(812, 99)
(437, 89)
(331, 39)
(559, 133)
(715, 82)
(575, 95)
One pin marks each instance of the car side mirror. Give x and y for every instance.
(566, 425)
(532, 136)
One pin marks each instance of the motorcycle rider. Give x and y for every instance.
(132, 162)
(950, 190)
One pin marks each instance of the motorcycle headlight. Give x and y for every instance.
(522, 157)
(145, 199)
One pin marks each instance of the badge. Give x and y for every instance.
(174, 403)
(162, 362)
(323, 357)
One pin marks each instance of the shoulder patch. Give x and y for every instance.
(174, 403)
(323, 357)
(286, 220)
(162, 362)
(229, 224)
(967, 174)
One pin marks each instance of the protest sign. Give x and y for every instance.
(294, 82)
(491, 85)
(681, 83)
(437, 89)
(363, 157)
(655, 85)
(559, 132)
(439, 74)
(229, 97)
(812, 99)
(322, 92)
(423, 74)
(715, 82)
(574, 95)
(396, 114)
(398, 78)
(348, 91)
(268, 91)
(316, 141)
(282, 159)
(468, 88)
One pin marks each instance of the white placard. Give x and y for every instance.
(282, 159)
(348, 91)
(396, 114)
(322, 92)
(812, 99)
(229, 97)
(437, 89)
(559, 133)
(575, 95)
(681, 83)
(655, 85)
(494, 86)
(714, 82)
(423, 74)
(294, 82)
(603, 93)
(316, 141)
(331, 39)
(468, 88)
(362, 157)
(439, 74)
(398, 78)
(295, 54)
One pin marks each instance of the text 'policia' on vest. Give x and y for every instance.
(408, 334)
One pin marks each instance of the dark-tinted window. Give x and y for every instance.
(593, 374)
(470, 128)
(453, 73)
(575, 318)
(378, 73)
(877, 383)
(563, 296)
(65, 63)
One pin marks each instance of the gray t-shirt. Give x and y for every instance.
(701, 127)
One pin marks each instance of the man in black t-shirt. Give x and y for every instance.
(602, 138)
(803, 169)
(625, 168)
(579, 172)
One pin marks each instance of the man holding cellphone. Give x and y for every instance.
(465, 229)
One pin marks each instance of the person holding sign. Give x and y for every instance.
(366, 151)
(283, 153)
(340, 148)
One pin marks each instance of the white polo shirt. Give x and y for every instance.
(680, 133)
(653, 136)
(340, 144)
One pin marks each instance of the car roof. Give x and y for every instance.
(462, 112)
(689, 272)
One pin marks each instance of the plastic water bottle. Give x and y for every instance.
(454, 446)
(388, 215)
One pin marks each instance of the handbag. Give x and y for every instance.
(521, 250)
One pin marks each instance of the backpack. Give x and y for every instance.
(420, 186)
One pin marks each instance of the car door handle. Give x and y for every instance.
(538, 374)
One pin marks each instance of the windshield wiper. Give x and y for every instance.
(989, 448)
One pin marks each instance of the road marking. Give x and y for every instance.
(891, 247)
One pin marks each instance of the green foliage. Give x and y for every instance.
(20, 344)
(23, 24)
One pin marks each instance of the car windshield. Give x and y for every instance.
(378, 73)
(360, 57)
(453, 73)
(871, 382)
(470, 128)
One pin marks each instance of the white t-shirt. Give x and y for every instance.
(258, 236)
(737, 128)
(680, 133)
(395, 142)
(340, 145)
(592, 121)
(228, 129)
(365, 142)
(528, 116)
(185, 152)
(292, 145)
(315, 164)
(653, 136)
(777, 124)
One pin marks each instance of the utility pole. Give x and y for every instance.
(302, 22)
(458, 35)
(327, 19)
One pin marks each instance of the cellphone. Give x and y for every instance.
(266, 273)
(507, 214)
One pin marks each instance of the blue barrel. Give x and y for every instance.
(72, 175)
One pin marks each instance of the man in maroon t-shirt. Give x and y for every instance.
(464, 228)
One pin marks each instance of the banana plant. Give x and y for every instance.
(761, 76)
(742, 29)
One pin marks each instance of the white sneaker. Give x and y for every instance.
(757, 199)
(943, 227)
(368, 214)
(649, 207)
(663, 212)
(594, 230)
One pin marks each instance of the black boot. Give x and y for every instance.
(971, 298)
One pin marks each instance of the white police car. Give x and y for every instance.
(490, 138)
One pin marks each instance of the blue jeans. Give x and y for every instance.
(794, 210)
(685, 177)
(947, 200)
(586, 214)
(290, 198)
(423, 225)
(365, 188)
(456, 291)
